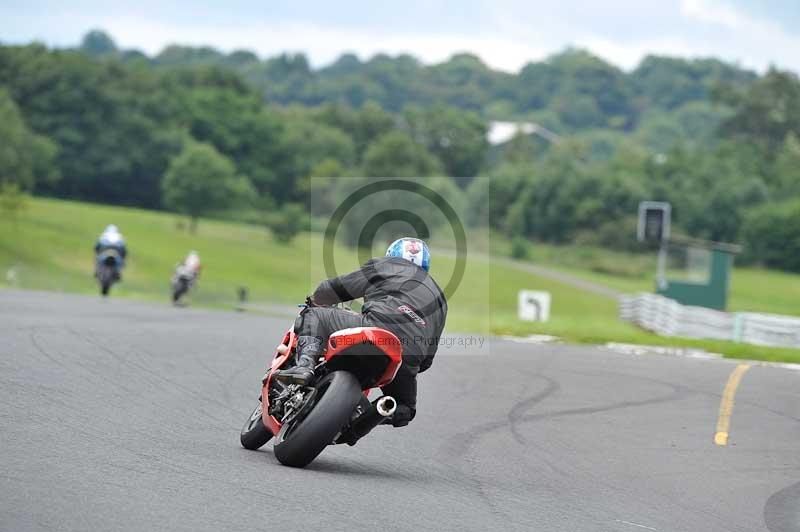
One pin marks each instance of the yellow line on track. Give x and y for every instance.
(726, 405)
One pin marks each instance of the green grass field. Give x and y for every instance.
(48, 246)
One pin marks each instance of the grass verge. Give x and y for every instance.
(48, 246)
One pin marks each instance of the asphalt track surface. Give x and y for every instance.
(117, 415)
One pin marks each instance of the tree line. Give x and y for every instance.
(196, 130)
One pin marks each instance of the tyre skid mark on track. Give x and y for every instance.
(156, 376)
(91, 372)
(515, 415)
(153, 459)
(208, 398)
(569, 470)
(462, 443)
(111, 387)
(684, 391)
(678, 393)
(218, 380)
(146, 373)
(224, 383)
(739, 401)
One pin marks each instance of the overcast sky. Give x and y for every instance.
(504, 33)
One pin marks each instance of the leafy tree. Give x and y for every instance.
(463, 81)
(363, 125)
(564, 196)
(240, 127)
(201, 180)
(241, 58)
(457, 138)
(25, 157)
(669, 83)
(787, 167)
(389, 214)
(772, 235)
(395, 154)
(175, 55)
(111, 122)
(490, 197)
(310, 143)
(590, 92)
(660, 131)
(98, 43)
(700, 121)
(768, 111)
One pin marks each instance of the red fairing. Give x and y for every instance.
(382, 339)
(290, 340)
(339, 341)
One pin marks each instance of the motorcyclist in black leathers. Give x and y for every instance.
(399, 296)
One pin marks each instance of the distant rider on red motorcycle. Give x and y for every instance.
(399, 296)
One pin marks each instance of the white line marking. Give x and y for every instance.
(635, 524)
(532, 339)
(639, 350)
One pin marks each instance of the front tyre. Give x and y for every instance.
(254, 434)
(300, 441)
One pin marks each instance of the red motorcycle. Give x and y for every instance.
(333, 408)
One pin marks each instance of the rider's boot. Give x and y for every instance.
(308, 351)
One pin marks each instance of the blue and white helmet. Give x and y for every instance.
(413, 250)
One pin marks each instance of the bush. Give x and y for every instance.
(287, 222)
(614, 234)
(12, 199)
(520, 248)
(772, 235)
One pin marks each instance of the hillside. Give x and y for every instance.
(718, 143)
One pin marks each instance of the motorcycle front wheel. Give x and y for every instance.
(254, 434)
(301, 440)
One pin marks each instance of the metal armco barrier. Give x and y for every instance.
(667, 317)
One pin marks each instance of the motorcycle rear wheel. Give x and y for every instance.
(106, 278)
(300, 441)
(179, 291)
(254, 434)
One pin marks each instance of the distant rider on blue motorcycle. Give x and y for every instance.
(111, 240)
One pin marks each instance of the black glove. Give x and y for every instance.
(403, 415)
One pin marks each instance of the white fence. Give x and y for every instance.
(669, 318)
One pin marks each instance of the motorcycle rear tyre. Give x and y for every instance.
(298, 444)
